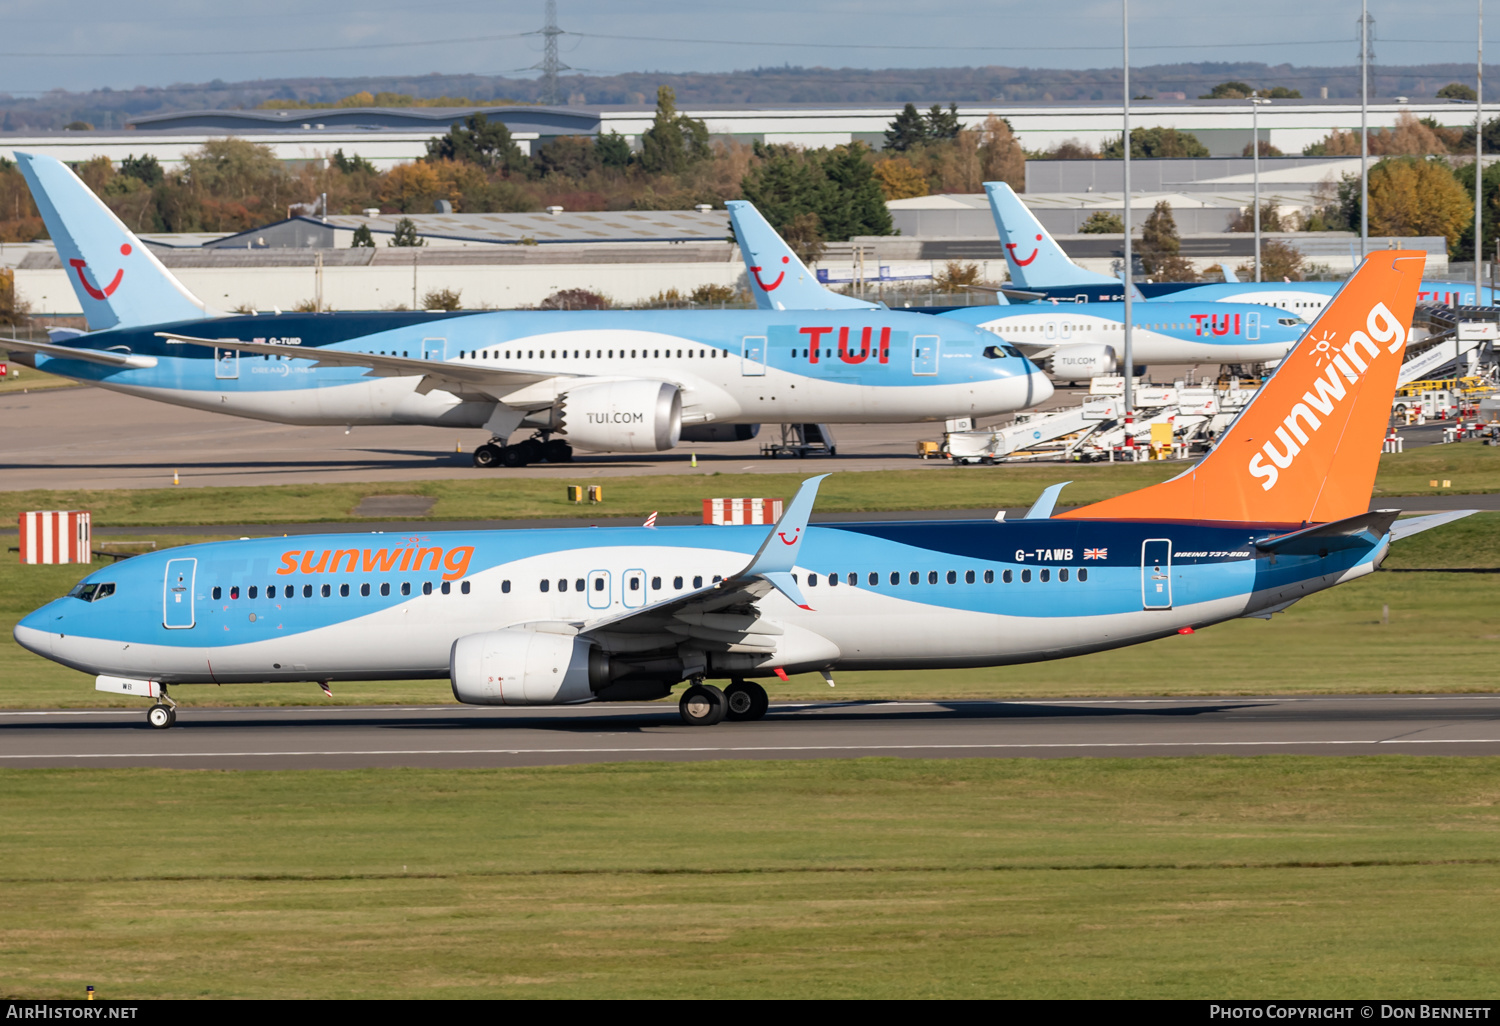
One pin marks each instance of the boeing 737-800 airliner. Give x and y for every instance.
(1277, 511)
(1070, 342)
(1038, 264)
(612, 381)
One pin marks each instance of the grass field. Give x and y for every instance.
(1269, 877)
(1443, 634)
(1469, 466)
(24, 379)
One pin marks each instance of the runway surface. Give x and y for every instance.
(450, 737)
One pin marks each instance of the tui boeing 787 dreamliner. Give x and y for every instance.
(1277, 511)
(602, 380)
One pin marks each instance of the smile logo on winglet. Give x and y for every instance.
(1018, 261)
(79, 266)
(756, 271)
(789, 541)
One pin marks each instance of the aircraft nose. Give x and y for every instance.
(1039, 385)
(35, 633)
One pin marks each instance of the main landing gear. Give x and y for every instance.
(703, 705)
(538, 449)
(164, 713)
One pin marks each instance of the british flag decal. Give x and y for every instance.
(1095, 553)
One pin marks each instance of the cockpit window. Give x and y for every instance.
(92, 591)
(1001, 352)
(1290, 322)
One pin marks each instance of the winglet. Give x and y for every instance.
(1230, 278)
(778, 279)
(778, 553)
(1033, 256)
(1042, 508)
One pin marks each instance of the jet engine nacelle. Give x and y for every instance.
(622, 416)
(1081, 362)
(518, 667)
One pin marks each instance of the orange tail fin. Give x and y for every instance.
(1307, 447)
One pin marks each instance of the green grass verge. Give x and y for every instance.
(1470, 466)
(24, 379)
(1270, 877)
(1443, 634)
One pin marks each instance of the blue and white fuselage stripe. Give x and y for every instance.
(733, 366)
(882, 596)
(1164, 332)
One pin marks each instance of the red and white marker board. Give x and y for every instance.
(741, 511)
(56, 536)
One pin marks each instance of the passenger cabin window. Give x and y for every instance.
(504, 588)
(464, 587)
(406, 587)
(218, 593)
(426, 587)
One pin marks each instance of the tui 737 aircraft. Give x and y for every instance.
(1070, 342)
(1039, 266)
(603, 380)
(1277, 511)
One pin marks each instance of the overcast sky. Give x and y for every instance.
(84, 44)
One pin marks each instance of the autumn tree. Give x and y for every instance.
(1271, 218)
(1334, 144)
(898, 179)
(1279, 260)
(1411, 197)
(1001, 158)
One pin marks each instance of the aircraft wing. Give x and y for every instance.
(107, 357)
(704, 614)
(437, 373)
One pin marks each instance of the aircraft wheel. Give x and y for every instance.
(557, 451)
(160, 716)
(702, 705)
(486, 455)
(511, 456)
(747, 701)
(531, 450)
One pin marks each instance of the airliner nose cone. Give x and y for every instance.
(1041, 387)
(33, 639)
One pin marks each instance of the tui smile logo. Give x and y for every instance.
(79, 266)
(796, 533)
(1018, 261)
(771, 287)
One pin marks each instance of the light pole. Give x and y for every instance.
(1478, 163)
(1255, 101)
(1364, 128)
(1128, 397)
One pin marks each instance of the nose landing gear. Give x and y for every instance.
(164, 713)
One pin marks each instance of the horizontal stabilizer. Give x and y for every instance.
(1360, 531)
(105, 357)
(1416, 525)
